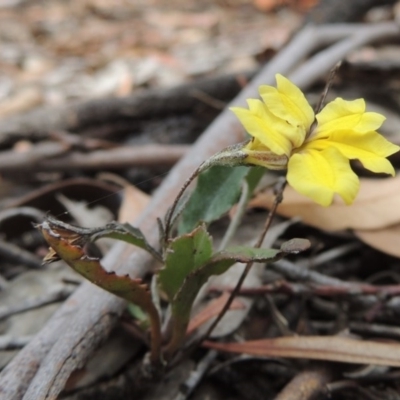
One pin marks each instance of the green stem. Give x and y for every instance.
(177, 338)
(155, 332)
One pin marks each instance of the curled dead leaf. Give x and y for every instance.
(386, 240)
(374, 216)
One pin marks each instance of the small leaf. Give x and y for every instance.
(327, 348)
(217, 190)
(115, 230)
(126, 233)
(183, 255)
(245, 254)
(217, 265)
(295, 246)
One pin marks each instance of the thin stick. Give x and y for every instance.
(56, 295)
(187, 388)
(9, 342)
(171, 211)
(50, 156)
(278, 199)
(324, 93)
(327, 87)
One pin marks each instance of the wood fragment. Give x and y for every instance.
(306, 385)
(116, 158)
(116, 114)
(16, 254)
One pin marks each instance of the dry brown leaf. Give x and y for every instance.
(269, 5)
(212, 310)
(376, 207)
(386, 240)
(328, 348)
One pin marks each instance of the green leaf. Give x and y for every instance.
(217, 265)
(216, 192)
(184, 255)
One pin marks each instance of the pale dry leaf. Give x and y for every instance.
(134, 200)
(23, 100)
(386, 240)
(235, 317)
(375, 207)
(327, 348)
(133, 204)
(83, 214)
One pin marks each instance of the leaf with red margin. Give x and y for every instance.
(68, 245)
(114, 230)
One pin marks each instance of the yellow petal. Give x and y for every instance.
(261, 124)
(321, 174)
(370, 148)
(288, 102)
(350, 115)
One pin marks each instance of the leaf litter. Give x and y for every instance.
(44, 64)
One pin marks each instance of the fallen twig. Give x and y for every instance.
(8, 342)
(59, 294)
(344, 289)
(110, 115)
(16, 254)
(59, 159)
(196, 375)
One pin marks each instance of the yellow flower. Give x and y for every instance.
(316, 154)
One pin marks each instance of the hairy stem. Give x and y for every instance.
(170, 214)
